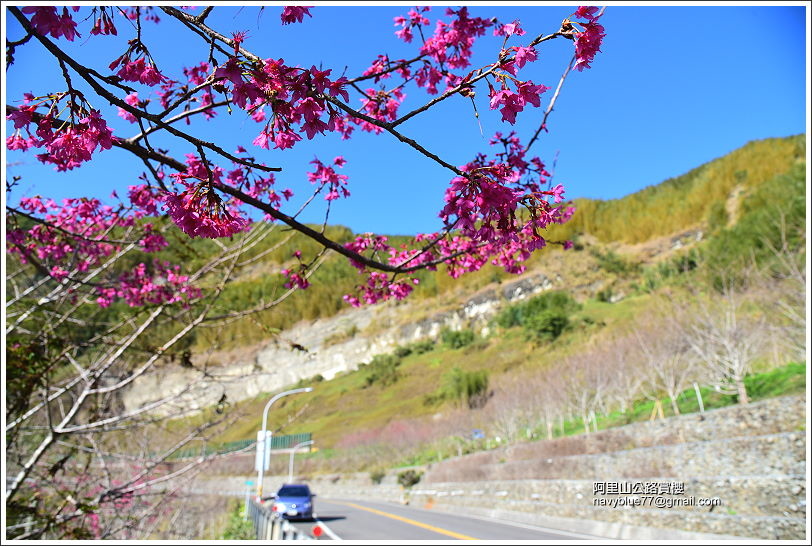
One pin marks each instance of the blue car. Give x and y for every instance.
(294, 501)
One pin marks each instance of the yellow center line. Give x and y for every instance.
(409, 521)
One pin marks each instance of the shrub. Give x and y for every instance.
(546, 326)
(377, 476)
(611, 262)
(383, 370)
(604, 295)
(424, 346)
(456, 339)
(470, 387)
(543, 318)
(408, 478)
(238, 528)
(477, 346)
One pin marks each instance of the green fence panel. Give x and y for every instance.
(282, 441)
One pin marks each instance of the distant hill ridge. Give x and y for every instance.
(681, 202)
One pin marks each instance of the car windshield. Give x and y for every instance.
(294, 491)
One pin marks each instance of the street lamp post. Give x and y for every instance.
(292, 453)
(261, 465)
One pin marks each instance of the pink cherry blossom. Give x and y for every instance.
(326, 177)
(509, 29)
(47, 21)
(132, 100)
(586, 12)
(294, 14)
(588, 42)
(525, 55)
(200, 212)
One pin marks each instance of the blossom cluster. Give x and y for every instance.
(416, 19)
(296, 278)
(46, 20)
(198, 210)
(509, 102)
(379, 287)
(452, 43)
(67, 145)
(295, 96)
(75, 235)
(159, 283)
(132, 100)
(294, 14)
(495, 213)
(94, 500)
(325, 176)
(588, 42)
(138, 69)
(103, 24)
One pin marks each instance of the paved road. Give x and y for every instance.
(364, 520)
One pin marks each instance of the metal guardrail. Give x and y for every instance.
(269, 525)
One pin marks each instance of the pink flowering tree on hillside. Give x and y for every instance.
(98, 294)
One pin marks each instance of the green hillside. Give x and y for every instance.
(436, 390)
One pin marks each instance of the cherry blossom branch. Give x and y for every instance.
(311, 270)
(182, 115)
(201, 28)
(389, 70)
(543, 125)
(278, 215)
(467, 82)
(101, 91)
(186, 96)
(62, 230)
(384, 125)
(390, 129)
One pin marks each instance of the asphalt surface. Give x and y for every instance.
(365, 520)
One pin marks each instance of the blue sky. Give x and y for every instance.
(673, 87)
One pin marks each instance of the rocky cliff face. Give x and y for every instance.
(317, 348)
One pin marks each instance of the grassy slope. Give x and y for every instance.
(785, 380)
(344, 404)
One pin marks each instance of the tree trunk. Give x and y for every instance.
(674, 405)
(699, 399)
(549, 430)
(742, 392)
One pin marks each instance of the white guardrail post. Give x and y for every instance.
(270, 526)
